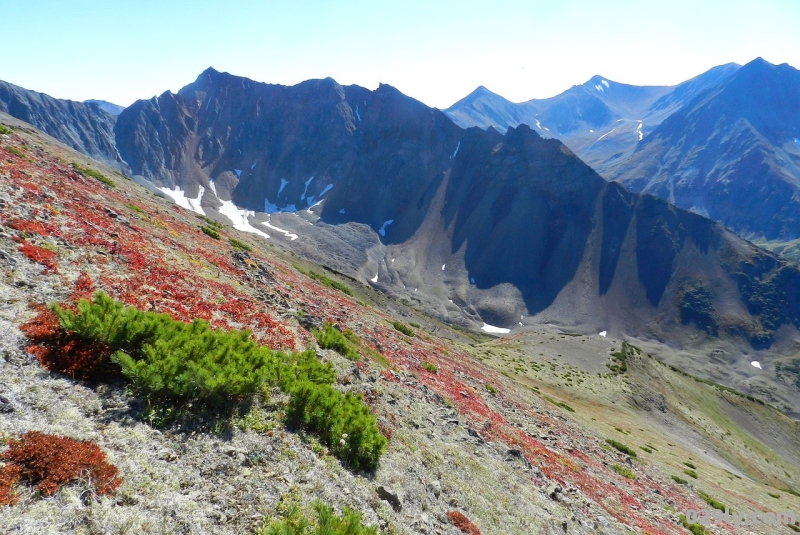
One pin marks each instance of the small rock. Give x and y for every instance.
(388, 494)
(166, 455)
(554, 491)
(6, 407)
(435, 487)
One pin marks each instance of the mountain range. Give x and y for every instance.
(725, 144)
(503, 230)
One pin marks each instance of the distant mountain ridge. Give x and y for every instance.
(85, 127)
(471, 225)
(724, 144)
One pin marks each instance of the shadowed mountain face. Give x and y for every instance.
(83, 126)
(499, 226)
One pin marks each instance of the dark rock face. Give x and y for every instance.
(84, 127)
(371, 155)
(524, 211)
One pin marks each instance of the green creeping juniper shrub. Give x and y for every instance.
(679, 480)
(341, 422)
(336, 285)
(624, 472)
(210, 231)
(85, 171)
(621, 447)
(690, 473)
(558, 403)
(695, 528)
(690, 465)
(179, 365)
(427, 366)
(492, 390)
(170, 361)
(326, 523)
(403, 328)
(4, 130)
(331, 338)
(711, 501)
(236, 244)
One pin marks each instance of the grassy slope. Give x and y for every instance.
(743, 450)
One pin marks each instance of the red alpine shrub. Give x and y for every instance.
(9, 474)
(463, 523)
(62, 352)
(39, 255)
(52, 460)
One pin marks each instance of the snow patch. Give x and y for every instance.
(591, 131)
(471, 280)
(357, 115)
(604, 135)
(392, 259)
(603, 333)
(341, 211)
(639, 131)
(604, 83)
(238, 173)
(456, 151)
(375, 278)
(492, 329)
(308, 182)
(599, 88)
(239, 217)
(213, 188)
(283, 185)
(286, 233)
(253, 166)
(756, 364)
(326, 190)
(797, 141)
(443, 266)
(382, 230)
(179, 197)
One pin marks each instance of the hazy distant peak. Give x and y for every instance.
(113, 109)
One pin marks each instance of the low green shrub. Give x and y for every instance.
(695, 528)
(428, 367)
(624, 472)
(403, 328)
(210, 232)
(85, 171)
(4, 130)
(236, 244)
(341, 422)
(325, 523)
(558, 403)
(177, 365)
(690, 473)
(492, 390)
(711, 501)
(621, 447)
(330, 283)
(690, 465)
(331, 338)
(679, 480)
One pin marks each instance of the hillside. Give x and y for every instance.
(451, 420)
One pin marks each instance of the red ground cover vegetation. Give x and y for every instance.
(50, 461)
(462, 523)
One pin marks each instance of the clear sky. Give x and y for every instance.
(434, 50)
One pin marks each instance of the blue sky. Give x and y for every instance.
(435, 51)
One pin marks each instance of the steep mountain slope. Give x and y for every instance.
(491, 228)
(733, 154)
(463, 437)
(85, 127)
